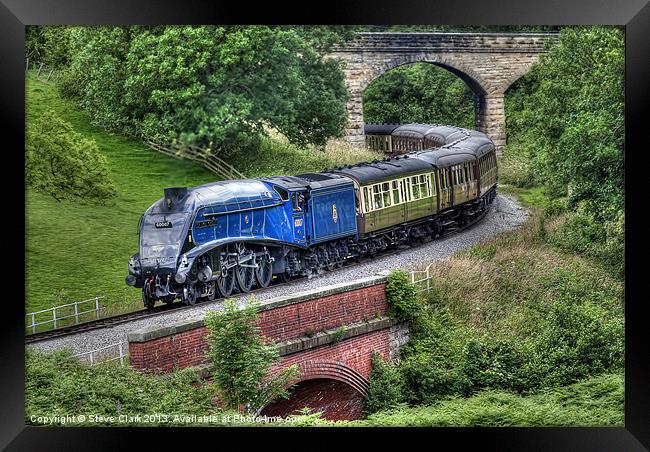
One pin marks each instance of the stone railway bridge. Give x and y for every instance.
(488, 62)
(330, 333)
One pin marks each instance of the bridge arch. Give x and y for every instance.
(331, 387)
(488, 62)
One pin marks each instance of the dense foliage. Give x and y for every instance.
(58, 384)
(386, 383)
(566, 117)
(400, 296)
(513, 314)
(63, 163)
(217, 87)
(242, 360)
(419, 93)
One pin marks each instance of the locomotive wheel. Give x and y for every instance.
(189, 295)
(147, 300)
(325, 258)
(226, 284)
(264, 272)
(334, 252)
(245, 277)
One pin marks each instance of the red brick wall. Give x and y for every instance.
(289, 322)
(188, 348)
(354, 352)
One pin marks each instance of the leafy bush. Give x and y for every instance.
(385, 385)
(241, 359)
(499, 364)
(401, 296)
(579, 340)
(63, 164)
(58, 384)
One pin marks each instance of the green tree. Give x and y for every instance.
(568, 116)
(217, 87)
(242, 360)
(62, 163)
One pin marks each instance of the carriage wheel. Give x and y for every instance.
(213, 295)
(226, 284)
(324, 258)
(264, 272)
(245, 277)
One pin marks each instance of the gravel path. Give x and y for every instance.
(504, 215)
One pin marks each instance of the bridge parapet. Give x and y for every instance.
(329, 332)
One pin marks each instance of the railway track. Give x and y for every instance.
(165, 308)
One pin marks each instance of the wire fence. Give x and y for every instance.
(64, 315)
(203, 156)
(118, 352)
(42, 71)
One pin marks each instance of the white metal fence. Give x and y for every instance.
(421, 279)
(64, 315)
(114, 352)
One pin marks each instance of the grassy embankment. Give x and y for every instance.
(78, 251)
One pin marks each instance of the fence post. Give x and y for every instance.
(54, 315)
(27, 65)
(96, 307)
(76, 313)
(48, 77)
(91, 358)
(121, 357)
(39, 70)
(33, 324)
(428, 280)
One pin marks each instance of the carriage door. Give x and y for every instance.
(299, 203)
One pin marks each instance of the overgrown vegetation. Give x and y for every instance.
(400, 296)
(242, 360)
(58, 384)
(515, 313)
(386, 383)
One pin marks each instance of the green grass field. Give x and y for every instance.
(78, 251)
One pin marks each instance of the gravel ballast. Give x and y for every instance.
(504, 215)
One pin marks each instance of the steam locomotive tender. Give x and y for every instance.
(208, 241)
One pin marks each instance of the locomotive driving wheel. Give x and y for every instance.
(264, 271)
(244, 272)
(226, 284)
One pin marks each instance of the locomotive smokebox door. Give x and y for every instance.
(299, 203)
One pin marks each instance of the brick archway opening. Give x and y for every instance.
(335, 400)
(330, 387)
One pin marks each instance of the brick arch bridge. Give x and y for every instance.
(330, 333)
(488, 62)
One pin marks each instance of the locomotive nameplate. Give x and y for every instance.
(206, 223)
(163, 224)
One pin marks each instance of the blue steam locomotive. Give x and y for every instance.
(208, 241)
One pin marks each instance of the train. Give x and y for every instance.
(209, 241)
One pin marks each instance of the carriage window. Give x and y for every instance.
(376, 197)
(366, 199)
(385, 192)
(395, 190)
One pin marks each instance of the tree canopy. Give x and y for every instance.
(218, 87)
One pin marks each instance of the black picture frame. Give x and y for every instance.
(633, 14)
